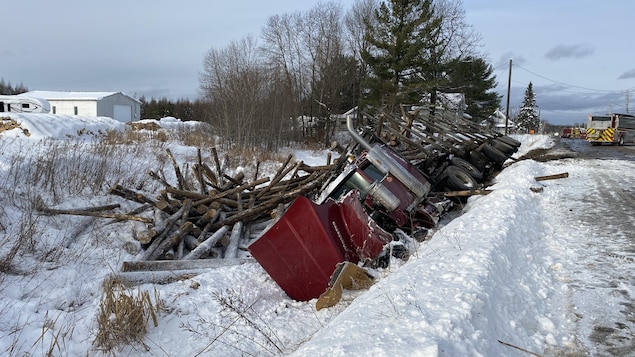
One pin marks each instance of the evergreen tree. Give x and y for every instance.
(7, 89)
(401, 32)
(528, 118)
(474, 77)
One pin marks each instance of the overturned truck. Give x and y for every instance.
(393, 182)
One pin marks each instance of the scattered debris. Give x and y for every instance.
(552, 177)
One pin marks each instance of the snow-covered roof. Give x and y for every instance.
(61, 95)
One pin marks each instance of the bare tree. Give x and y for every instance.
(233, 80)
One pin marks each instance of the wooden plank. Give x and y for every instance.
(552, 177)
(172, 265)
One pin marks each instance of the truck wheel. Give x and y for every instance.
(494, 154)
(459, 180)
(479, 160)
(467, 167)
(504, 148)
(509, 141)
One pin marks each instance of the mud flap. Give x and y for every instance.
(347, 276)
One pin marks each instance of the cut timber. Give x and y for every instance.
(552, 177)
(91, 213)
(466, 193)
(171, 265)
(207, 245)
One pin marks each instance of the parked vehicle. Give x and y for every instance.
(20, 104)
(612, 129)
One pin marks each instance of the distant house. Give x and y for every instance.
(116, 105)
(497, 122)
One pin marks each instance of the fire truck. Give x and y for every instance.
(610, 128)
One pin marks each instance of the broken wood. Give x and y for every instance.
(552, 177)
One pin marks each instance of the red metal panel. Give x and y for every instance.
(366, 237)
(300, 251)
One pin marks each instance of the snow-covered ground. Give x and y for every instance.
(518, 272)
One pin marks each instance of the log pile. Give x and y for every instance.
(217, 215)
(212, 215)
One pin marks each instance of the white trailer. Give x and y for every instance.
(20, 104)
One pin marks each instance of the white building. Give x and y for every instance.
(497, 122)
(116, 105)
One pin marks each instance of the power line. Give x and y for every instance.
(566, 84)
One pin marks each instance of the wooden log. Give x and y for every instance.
(268, 205)
(172, 265)
(157, 277)
(206, 245)
(165, 228)
(130, 195)
(233, 181)
(159, 178)
(552, 177)
(242, 187)
(185, 194)
(166, 206)
(190, 242)
(209, 216)
(465, 193)
(199, 175)
(209, 175)
(277, 177)
(177, 170)
(118, 216)
(170, 241)
(234, 239)
(256, 171)
(219, 171)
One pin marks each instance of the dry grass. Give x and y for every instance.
(7, 123)
(124, 316)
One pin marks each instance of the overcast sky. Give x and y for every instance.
(579, 54)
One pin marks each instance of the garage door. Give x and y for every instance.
(122, 113)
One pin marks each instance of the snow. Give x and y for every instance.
(505, 275)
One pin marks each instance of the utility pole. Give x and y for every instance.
(509, 85)
(627, 101)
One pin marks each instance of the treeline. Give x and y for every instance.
(7, 89)
(183, 109)
(306, 66)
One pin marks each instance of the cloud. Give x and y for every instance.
(568, 51)
(627, 74)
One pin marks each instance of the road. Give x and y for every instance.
(598, 222)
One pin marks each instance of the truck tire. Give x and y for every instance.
(504, 148)
(509, 141)
(467, 167)
(479, 160)
(459, 180)
(494, 154)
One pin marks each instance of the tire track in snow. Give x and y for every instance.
(595, 220)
